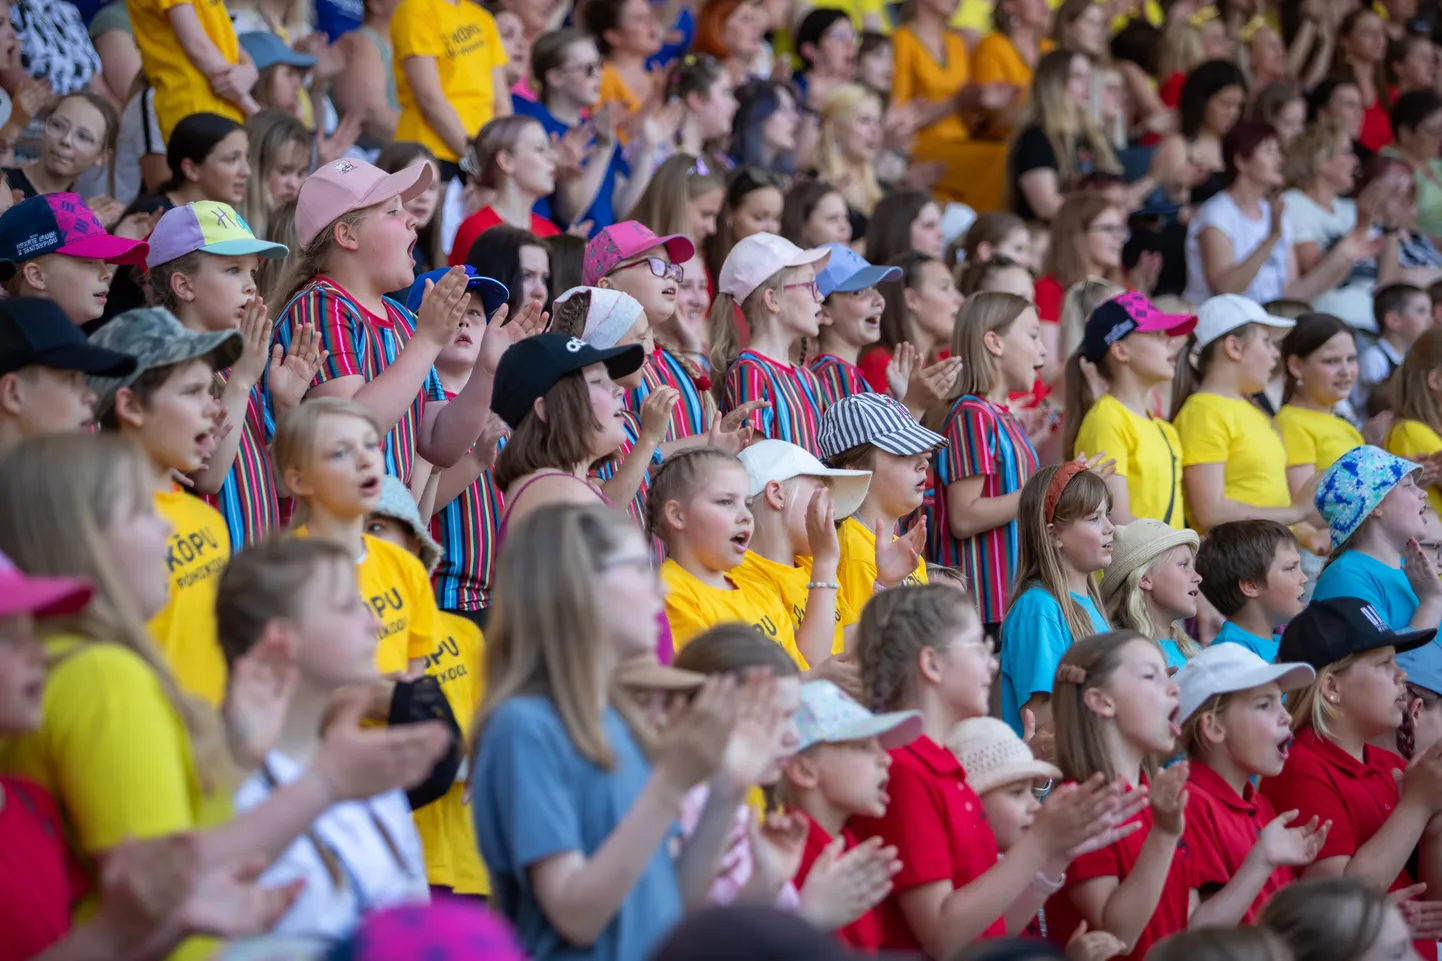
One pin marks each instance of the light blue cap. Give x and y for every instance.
(847, 272)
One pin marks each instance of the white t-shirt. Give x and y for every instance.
(1312, 223)
(1246, 235)
(373, 843)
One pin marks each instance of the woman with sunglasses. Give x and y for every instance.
(513, 158)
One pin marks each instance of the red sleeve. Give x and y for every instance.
(338, 325)
(542, 227)
(1203, 850)
(470, 228)
(873, 368)
(1049, 296)
(1106, 863)
(1304, 788)
(916, 824)
(1170, 91)
(970, 450)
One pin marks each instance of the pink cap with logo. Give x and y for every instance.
(620, 242)
(756, 258)
(345, 185)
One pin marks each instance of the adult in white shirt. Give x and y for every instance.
(1240, 243)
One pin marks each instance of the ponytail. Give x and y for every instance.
(1187, 378)
(725, 315)
(1079, 399)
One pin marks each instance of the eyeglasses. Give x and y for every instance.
(591, 67)
(810, 285)
(58, 127)
(1116, 230)
(661, 268)
(640, 563)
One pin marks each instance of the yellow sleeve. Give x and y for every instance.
(991, 63)
(119, 754)
(415, 32)
(1301, 445)
(903, 78)
(686, 616)
(1101, 430)
(857, 571)
(425, 616)
(1411, 438)
(1204, 431)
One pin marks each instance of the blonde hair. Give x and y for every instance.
(839, 105)
(1051, 109)
(1181, 47)
(1039, 560)
(311, 260)
(663, 205)
(59, 493)
(1081, 744)
(542, 635)
(725, 314)
(895, 627)
(1315, 145)
(677, 479)
(1309, 708)
(991, 311)
(295, 435)
(1127, 608)
(1412, 396)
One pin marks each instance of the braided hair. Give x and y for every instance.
(895, 627)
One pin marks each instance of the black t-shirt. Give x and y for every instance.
(1033, 151)
(15, 177)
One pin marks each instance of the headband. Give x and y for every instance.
(1202, 17)
(1059, 482)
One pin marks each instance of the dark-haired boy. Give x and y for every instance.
(1252, 574)
(167, 405)
(1403, 314)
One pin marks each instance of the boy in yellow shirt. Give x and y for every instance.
(166, 405)
(190, 55)
(448, 835)
(450, 68)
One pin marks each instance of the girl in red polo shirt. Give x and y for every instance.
(1234, 728)
(922, 648)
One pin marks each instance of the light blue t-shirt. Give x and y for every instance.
(1174, 655)
(537, 796)
(1263, 647)
(1354, 574)
(1034, 639)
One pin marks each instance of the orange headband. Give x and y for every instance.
(1058, 484)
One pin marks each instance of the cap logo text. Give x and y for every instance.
(574, 345)
(1371, 614)
(343, 166)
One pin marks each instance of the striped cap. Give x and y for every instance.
(874, 419)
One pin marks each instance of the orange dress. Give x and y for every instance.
(614, 89)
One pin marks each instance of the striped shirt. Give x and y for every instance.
(982, 438)
(838, 378)
(792, 394)
(631, 424)
(466, 530)
(693, 412)
(247, 499)
(361, 345)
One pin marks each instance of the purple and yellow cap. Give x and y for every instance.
(210, 227)
(60, 224)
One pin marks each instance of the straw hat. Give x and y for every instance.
(1136, 545)
(993, 755)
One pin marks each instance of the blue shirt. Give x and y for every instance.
(683, 31)
(1263, 647)
(602, 211)
(336, 17)
(1034, 639)
(536, 796)
(1354, 574)
(1174, 655)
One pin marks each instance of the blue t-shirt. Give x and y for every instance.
(1174, 655)
(602, 211)
(1263, 647)
(1354, 574)
(537, 796)
(336, 17)
(683, 31)
(1034, 639)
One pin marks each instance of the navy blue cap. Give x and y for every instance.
(531, 367)
(1423, 666)
(35, 332)
(493, 292)
(267, 50)
(847, 272)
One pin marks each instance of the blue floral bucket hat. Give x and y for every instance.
(1354, 485)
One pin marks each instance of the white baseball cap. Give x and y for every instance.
(756, 258)
(776, 460)
(1227, 668)
(1224, 313)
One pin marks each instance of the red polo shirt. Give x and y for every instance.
(865, 932)
(1222, 828)
(39, 881)
(1321, 780)
(1116, 861)
(939, 828)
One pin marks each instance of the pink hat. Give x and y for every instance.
(757, 258)
(345, 185)
(40, 596)
(620, 242)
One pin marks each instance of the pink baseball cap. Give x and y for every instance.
(61, 224)
(345, 185)
(40, 596)
(756, 258)
(620, 242)
(1126, 314)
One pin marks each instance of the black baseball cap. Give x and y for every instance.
(531, 367)
(1130, 312)
(35, 332)
(1327, 631)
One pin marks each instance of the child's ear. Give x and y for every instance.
(538, 407)
(1250, 589)
(913, 300)
(33, 274)
(674, 514)
(189, 169)
(1414, 708)
(1212, 729)
(505, 162)
(801, 772)
(182, 288)
(771, 300)
(774, 495)
(605, 283)
(1099, 703)
(1146, 581)
(10, 400)
(991, 340)
(129, 411)
(984, 251)
(929, 663)
(1232, 346)
(1434, 381)
(345, 235)
(295, 483)
(1294, 367)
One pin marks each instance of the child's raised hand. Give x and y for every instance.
(932, 384)
(442, 307)
(899, 369)
(255, 331)
(356, 762)
(1424, 918)
(1169, 799)
(1075, 813)
(696, 738)
(291, 373)
(778, 842)
(751, 749)
(1281, 845)
(821, 531)
(843, 885)
(841, 670)
(1099, 464)
(897, 557)
(656, 412)
(257, 696)
(733, 431)
(1084, 945)
(499, 334)
(1421, 784)
(485, 447)
(1421, 571)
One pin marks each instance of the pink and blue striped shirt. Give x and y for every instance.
(794, 400)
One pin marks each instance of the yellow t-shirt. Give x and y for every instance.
(1412, 438)
(448, 835)
(1314, 438)
(760, 574)
(115, 754)
(917, 74)
(693, 607)
(395, 585)
(1235, 433)
(857, 572)
(180, 88)
(1148, 454)
(185, 627)
(996, 60)
(463, 39)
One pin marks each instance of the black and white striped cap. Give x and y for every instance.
(874, 419)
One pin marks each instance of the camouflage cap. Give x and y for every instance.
(156, 339)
